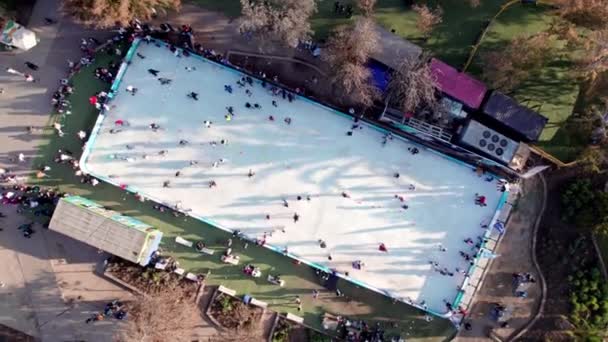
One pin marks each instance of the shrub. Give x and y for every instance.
(585, 206)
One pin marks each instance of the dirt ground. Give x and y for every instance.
(514, 256)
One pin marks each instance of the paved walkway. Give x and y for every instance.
(50, 288)
(515, 252)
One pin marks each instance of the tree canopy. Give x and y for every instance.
(348, 50)
(585, 206)
(287, 21)
(509, 66)
(108, 13)
(413, 85)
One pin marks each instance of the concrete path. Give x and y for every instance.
(50, 288)
(515, 252)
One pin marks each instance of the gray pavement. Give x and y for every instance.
(49, 287)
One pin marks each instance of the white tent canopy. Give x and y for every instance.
(18, 36)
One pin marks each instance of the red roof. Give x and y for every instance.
(458, 85)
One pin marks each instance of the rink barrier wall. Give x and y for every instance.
(116, 85)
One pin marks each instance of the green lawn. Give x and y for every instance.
(552, 90)
(451, 40)
(300, 279)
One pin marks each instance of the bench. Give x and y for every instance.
(226, 290)
(294, 318)
(183, 241)
(258, 303)
(207, 251)
(230, 259)
(192, 276)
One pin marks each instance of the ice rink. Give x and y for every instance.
(313, 156)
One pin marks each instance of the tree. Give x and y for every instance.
(427, 19)
(413, 85)
(592, 14)
(348, 50)
(164, 316)
(595, 60)
(366, 7)
(107, 13)
(508, 67)
(284, 20)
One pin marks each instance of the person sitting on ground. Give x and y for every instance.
(199, 246)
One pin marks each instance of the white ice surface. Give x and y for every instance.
(312, 156)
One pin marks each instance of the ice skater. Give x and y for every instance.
(480, 200)
(154, 126)
(382, 248)
(131, 89)
(164, 81)
(212, 184)
(413, 150)
(288, 120)
(228, 88)
(183, 142)
(140, 55)
(189, 68)
(285, 203)
(296, 218)
(166, 184)
(193, 96)
(274, 103)
(154, 72)
(250, 173)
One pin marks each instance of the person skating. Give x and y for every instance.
(193, 95)
(153, 72)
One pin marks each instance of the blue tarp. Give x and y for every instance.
(380, 75)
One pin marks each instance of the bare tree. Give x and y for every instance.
(413, 85)
(287, 21)
(366, 7)
(162, 317)
(587, 13)
(348, 50)
(107, 13)
(427, 19)
(595, 60)
(508, 67)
